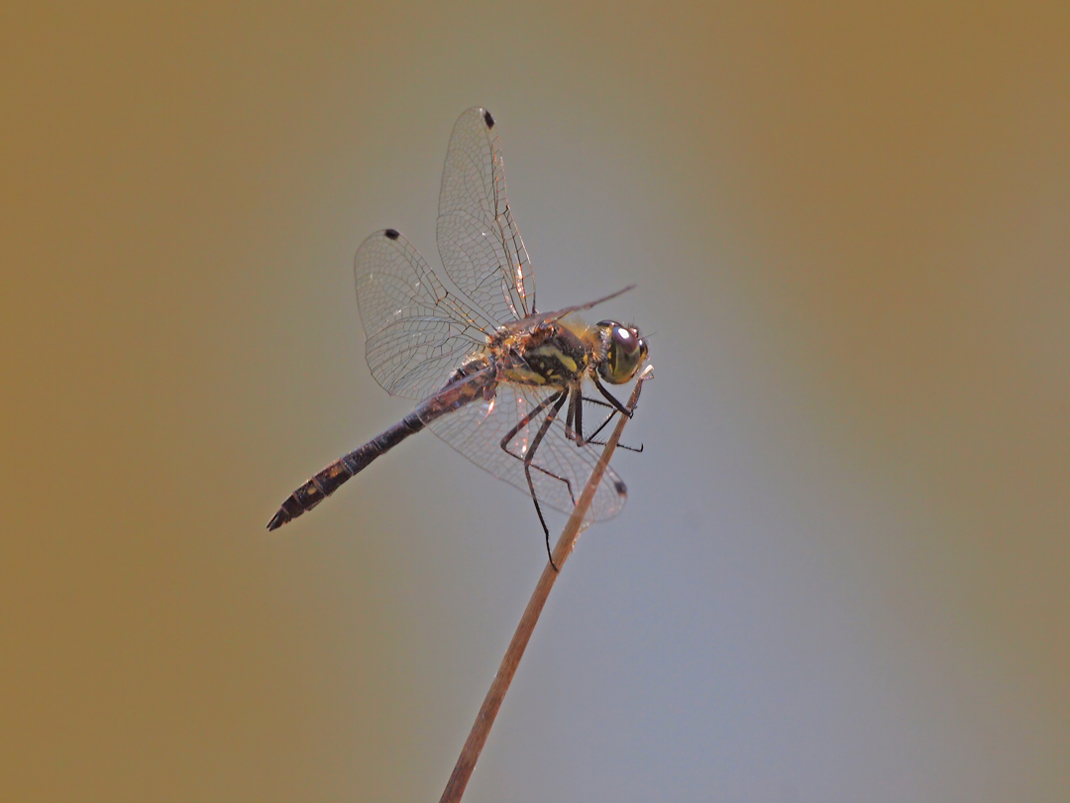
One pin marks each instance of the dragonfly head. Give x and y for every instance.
(625, 352)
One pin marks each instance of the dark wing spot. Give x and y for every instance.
(488, 119)
(622, 489)
(393, 234)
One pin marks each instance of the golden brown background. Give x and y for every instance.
(842, 574)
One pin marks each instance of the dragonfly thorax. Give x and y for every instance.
(549, 354)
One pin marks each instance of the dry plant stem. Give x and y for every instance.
(473, 746)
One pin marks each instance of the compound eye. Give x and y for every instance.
(625, 352)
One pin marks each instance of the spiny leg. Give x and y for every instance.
(557, 400)
(530, 455)
(590, 439)
(523, 422)
(612, 414)
(613, 400)
(504, 443)
(574, 419)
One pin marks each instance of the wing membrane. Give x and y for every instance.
(478, 241)
(416, 331)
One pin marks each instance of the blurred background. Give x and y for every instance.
(842, 571)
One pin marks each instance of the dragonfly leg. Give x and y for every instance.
(591, 438)
(552, 399)
(529, 456)
(613, 413)
(523, 422)
(574, 422)
(554, 402)
(613, 400)
(617, 407)
(574, 419)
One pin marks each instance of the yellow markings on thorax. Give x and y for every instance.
(549, 354)
(523, 375)
(552, 352)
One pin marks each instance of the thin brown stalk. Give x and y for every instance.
(473, 746)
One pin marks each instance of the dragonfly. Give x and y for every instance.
(503, 384)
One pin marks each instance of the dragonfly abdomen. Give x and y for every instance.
(479, 385)
(327, 481)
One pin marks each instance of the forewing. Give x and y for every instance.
(478, 240)
(476, 431)
(416, 333)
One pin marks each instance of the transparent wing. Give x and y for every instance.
(478, 241)
(416, 332)
(560, 468)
